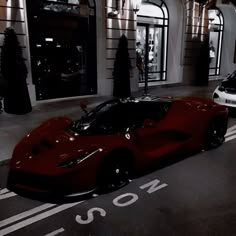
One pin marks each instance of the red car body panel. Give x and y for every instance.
(39, 154)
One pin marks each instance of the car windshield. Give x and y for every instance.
(117, 117)
(87, 123)
(233, 75)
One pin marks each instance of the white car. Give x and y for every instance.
(225, 93)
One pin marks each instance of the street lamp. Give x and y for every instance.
(136, 5)
(115, 12)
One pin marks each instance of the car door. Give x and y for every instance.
(153, 136)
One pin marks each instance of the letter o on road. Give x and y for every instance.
(133, 199)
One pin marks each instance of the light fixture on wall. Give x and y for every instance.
(120, 4)
(136, 5)
(115, 11)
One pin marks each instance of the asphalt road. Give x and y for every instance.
(193, 196)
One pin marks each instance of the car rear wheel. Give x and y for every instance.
(216, 133)
(115, 173)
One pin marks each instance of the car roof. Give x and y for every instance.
(142, 99)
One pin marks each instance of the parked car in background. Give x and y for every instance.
(225, 93)
(112, 143)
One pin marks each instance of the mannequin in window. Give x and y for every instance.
(139, 60)
(211, 51)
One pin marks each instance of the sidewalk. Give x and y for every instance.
(14, 127)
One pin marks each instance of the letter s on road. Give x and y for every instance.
(90, 218)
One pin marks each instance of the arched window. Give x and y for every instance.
(216, 26)
(151, 41)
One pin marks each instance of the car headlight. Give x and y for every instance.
(74, 161)
(221, 88)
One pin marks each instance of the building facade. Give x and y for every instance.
(70, 45)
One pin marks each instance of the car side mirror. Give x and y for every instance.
(83, 106)
(148, 123)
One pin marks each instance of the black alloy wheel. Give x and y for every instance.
(216, 133)
(115, 173)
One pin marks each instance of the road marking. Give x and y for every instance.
(4, 190)
(58, 231)
(37, 218)
(230, 133)
(90, 215)
(25, 214)
(153, 186)
(7, 195)
(230, 138)
(231, 128)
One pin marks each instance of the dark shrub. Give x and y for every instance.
(121, 73)
(14, 73)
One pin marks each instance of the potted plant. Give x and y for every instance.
(121, 73)
(14, 73)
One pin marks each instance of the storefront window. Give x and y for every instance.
(63, 48)
(216, 24)
(70, 6)
(151, 42)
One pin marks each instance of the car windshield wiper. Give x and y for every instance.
(79, 126)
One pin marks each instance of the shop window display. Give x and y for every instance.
(151, 42)
(216, 26)
(63, 48)
(61, 70)
(154, 51)
(61, 6)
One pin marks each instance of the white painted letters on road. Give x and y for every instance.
(36, 218)
(133, 199)
(153, 186)
(16, 222)
(90, 218)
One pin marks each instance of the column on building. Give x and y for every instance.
(12, 14)
(195, 39)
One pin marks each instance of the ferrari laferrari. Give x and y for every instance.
(111, 143)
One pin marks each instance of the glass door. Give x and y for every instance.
(216, 26)
(214, 49)
(154, 53)
(149, 52)
(141, 51)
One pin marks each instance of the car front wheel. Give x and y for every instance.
(215, 135)
(114, 174)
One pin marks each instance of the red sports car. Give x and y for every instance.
(116, 139)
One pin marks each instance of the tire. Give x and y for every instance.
(115, 172)
(215, 134)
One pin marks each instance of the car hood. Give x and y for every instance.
(229, 83)
(196, 101)
(48, 145)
